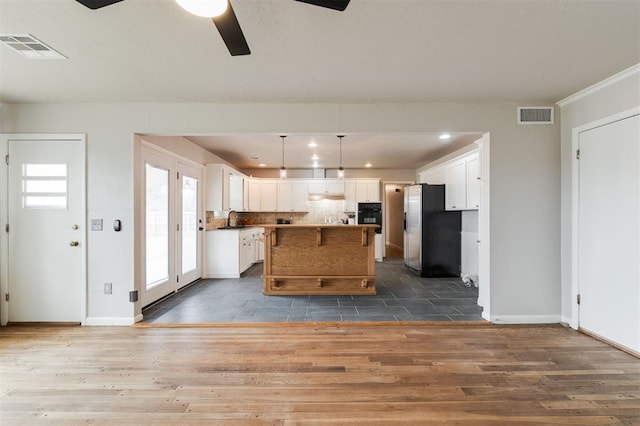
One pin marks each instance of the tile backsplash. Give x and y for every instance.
(318, 211)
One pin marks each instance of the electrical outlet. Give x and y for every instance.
(108, 288)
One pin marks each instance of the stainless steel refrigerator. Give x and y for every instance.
(431, 234)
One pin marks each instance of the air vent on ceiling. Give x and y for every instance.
(29, 46)
(535, 115)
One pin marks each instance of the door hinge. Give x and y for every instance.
(6, 297)
(6, 159)
(177, 278)
(577, 154)
(178, 175)
(578, 299)
(6, 228)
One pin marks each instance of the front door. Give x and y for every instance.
(47, 235)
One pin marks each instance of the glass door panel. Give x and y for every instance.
(190, 224)
(157, 218)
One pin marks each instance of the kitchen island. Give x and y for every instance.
(319, 259)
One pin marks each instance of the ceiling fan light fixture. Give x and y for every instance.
(204, 8)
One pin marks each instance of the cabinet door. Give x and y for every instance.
(285, 196)
(367, 191)
(214, 187)
(473, 183)
(455, 186)
(317, 186)
(335, 186)
(236, 190)
(268, 196)
(300, 194)
(373, 191)
(253, 197)
(350, 200)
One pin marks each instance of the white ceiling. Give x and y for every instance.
(376, 51)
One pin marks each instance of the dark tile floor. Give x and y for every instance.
(402, 296)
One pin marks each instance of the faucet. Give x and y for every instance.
(229, 217)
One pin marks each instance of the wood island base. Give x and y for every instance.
(319, 260)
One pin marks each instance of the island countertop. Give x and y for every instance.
(314, 259)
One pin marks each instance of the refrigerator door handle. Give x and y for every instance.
(404, 225)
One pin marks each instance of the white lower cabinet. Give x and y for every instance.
(230, 252)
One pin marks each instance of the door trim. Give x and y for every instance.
(4, 212)
(574, 319)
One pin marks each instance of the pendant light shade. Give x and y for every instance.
(340, 169)
(204, 8)
(283, 169)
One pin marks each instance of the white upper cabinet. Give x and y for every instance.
(462, 183)
(236, 191)
(456, 186)
(262, 195)
(292, 196)
(368, 191)
(473, 182)
(224, 188)
(350, 200)
(326, 186)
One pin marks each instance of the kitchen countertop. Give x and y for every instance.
(315, 225)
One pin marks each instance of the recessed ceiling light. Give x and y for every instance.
(445, 136)
(368, 164)
(312, 144)
(262, 165)
(315, 157)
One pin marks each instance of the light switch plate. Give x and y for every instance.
(96, 224)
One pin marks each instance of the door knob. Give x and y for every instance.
(74, 227)
(74, 244)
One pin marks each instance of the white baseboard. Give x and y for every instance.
(526, 319)
(119, 321)
(567, 320)
(222, 276)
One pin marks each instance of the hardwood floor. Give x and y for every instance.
(315, 374)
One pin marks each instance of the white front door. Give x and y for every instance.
(47, 234)
(609, 232)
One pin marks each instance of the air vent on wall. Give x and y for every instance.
(29, 46)
(535, 115)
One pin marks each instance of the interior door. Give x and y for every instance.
(609, 232)
(47, 235)
(190, 224)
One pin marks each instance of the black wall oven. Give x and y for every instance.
(370, 214)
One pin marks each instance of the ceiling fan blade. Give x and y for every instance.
(229, 28)
(340, 5)
(97, 4)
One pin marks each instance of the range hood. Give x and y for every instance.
(325, 196)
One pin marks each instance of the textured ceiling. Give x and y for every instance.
(533, 51)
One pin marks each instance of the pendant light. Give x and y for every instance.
(204, 8)
(283, 169)
(340, 169)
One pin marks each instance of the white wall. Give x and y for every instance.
(525, 176)
(616, 94)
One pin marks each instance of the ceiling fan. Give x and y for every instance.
(227, 23)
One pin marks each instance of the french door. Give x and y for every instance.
(172, 238)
